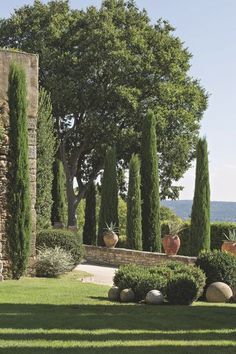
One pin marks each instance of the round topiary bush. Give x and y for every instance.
(143, 279)
(218, 267)
(65, 239)
(52, 262)
(182, 290)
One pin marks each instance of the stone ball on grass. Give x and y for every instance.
(154, 297)
(114, 293)
(219, 292)
(127, 295)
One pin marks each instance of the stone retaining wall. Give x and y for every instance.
(119, 256)
(30, 63)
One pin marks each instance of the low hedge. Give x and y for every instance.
(218, 266)
(143, 279)
(65, 239)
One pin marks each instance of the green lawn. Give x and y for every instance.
(66, 316)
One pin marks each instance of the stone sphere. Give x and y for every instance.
(218, 292)
(114, 294)
(127, 295)
(154, 297)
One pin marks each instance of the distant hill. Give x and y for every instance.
(220, 211)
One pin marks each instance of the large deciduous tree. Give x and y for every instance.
(103, 68)
(151, 227)
(200, 216)
(19, 201)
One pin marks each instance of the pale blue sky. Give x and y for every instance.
(208, 29)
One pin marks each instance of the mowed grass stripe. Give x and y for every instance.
(90, 344)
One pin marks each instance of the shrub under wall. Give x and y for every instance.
(65, 239)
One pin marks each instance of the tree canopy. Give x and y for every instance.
(103, 68)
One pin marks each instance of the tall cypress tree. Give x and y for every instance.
(89, 231)
(200, 216)
(151, 230)
(46, 148)
(134, 218)
(58, 213)
(109, 195)
(19, 201)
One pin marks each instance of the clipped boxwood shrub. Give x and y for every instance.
(52, 262)
(218, 266)
(182, 289)
(65, 239)
(143, 279)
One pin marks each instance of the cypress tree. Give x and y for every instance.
(200, 216)
(109, 195)
(58, 213)
(89, 231)
(19, 201)
(151, 230)
(46, 146)
(134, 218)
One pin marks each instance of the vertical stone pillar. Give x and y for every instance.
(30, 63)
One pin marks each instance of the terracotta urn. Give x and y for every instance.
(110, 239)
(229, 247)
(171, 244)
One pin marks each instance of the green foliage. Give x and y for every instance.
(122, 212)
(218, 229)
(151, 230)
(218, 266)
(167, 214)
(109, 195)
(52, 262)
(89, 231)
(58, 212)
(200, 216)
(46, 148)
(181, 290)
(80, 212)
(19, 201)
(67, 240)
(143, 64)
(134, 217)
(143, 279)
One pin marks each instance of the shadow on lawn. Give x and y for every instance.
(118, 317)
(118, 350)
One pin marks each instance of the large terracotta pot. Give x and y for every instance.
(110, 239)
(171, 244)
(229, 247)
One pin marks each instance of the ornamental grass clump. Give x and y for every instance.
(52, 262)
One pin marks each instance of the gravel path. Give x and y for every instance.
(99, 274)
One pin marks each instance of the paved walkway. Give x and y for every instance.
(99, 274)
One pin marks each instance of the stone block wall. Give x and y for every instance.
(30, 63)
(119, 256)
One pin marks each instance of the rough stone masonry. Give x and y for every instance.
(30, 63)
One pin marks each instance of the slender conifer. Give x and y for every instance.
(151, 230)
(134, 218)
(58, 213)
(109, 195)
(89, 231)
(200, 216)
(19, 200)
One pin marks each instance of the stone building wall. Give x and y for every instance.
(119, 256)
(30, 63)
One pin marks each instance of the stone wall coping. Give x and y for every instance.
(12, 50)
(119, 256)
